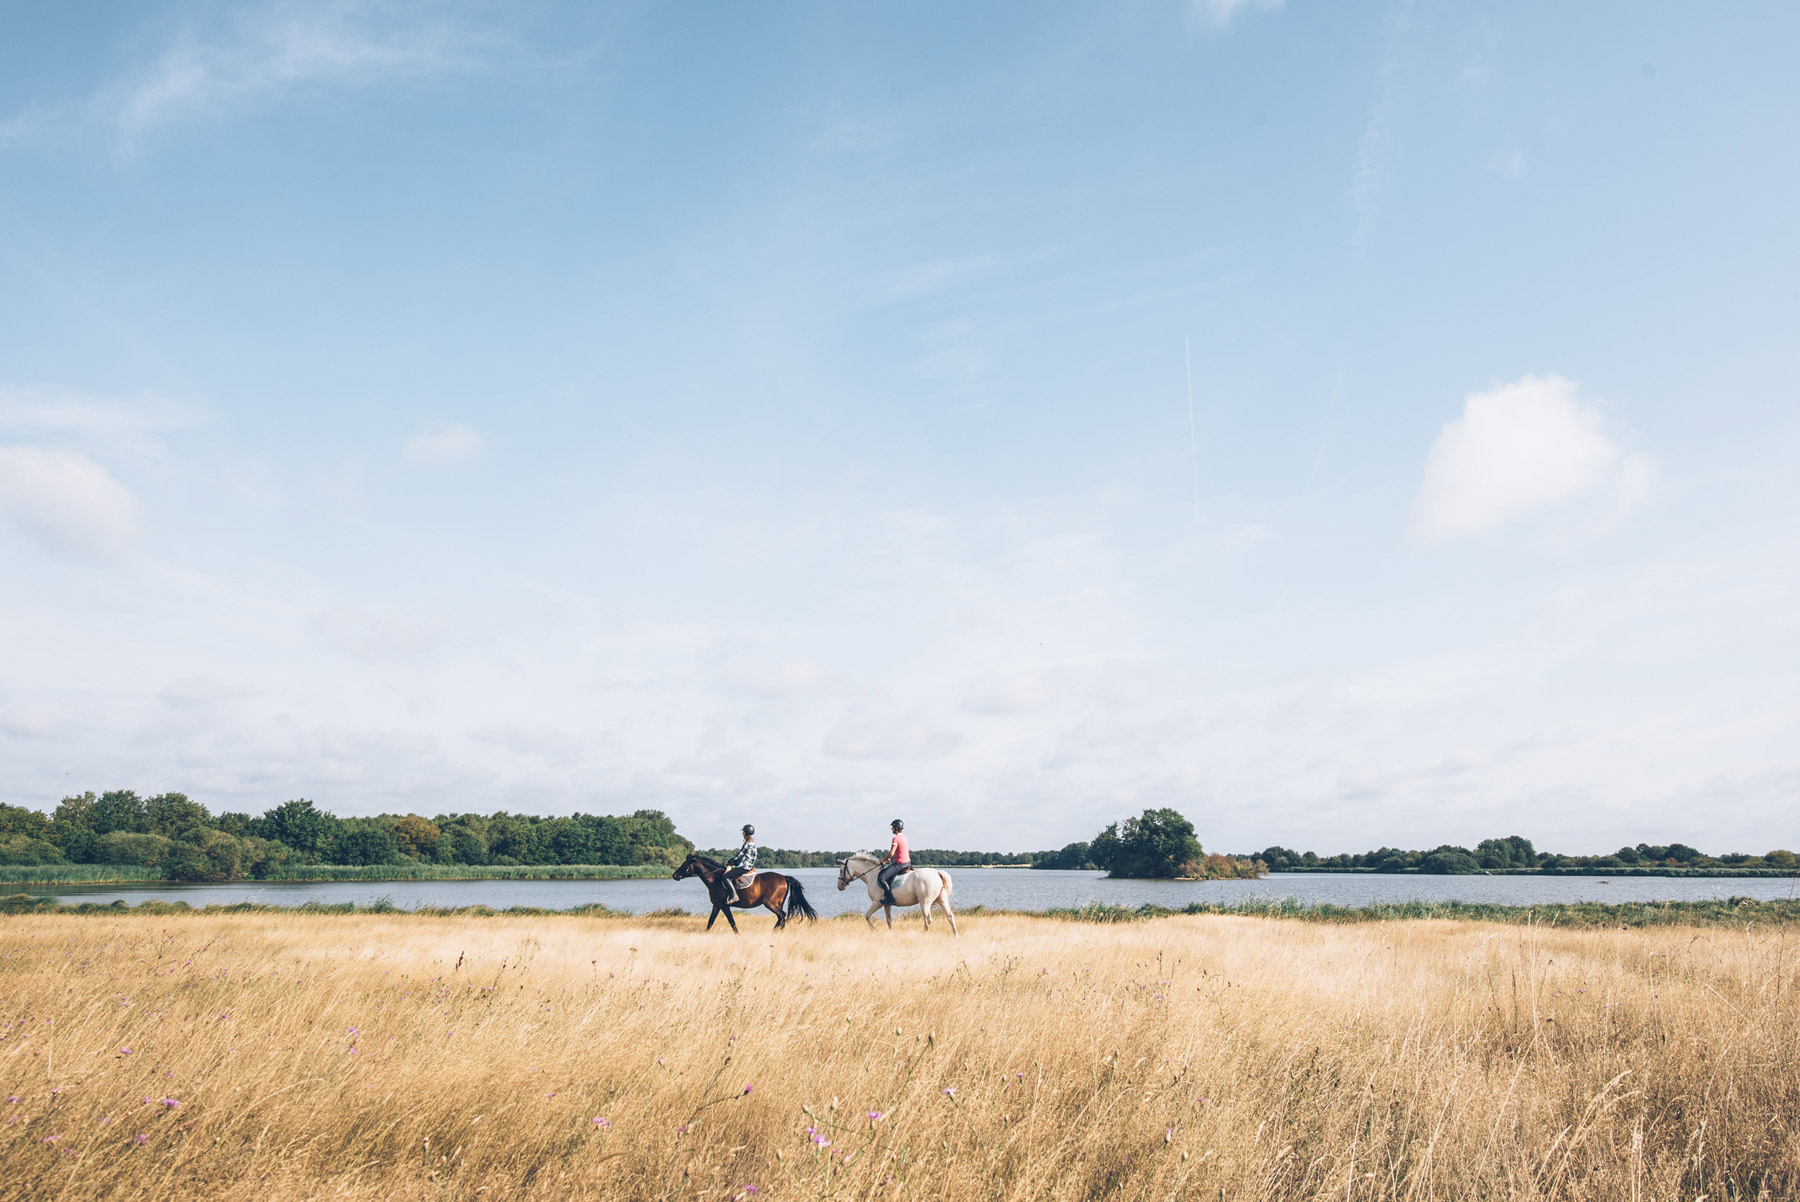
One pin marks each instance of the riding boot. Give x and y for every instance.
(731, 893)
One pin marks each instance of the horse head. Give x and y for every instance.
(845, 876)
(689, 867)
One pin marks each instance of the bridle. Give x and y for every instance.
(849, 876)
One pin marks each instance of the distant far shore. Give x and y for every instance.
(1659, 870)
(118, 874)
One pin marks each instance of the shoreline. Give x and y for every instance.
(1736, 912)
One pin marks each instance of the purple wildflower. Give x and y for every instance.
(875, 1116)
(748, 1088)
(140, 1138)
(171, 1103)
(602, 1122)
(950, 1093)
(124, 1051)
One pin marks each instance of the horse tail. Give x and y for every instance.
(946, 877)
(796, 901)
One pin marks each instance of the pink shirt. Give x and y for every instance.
(902, 854)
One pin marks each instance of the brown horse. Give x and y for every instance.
(782, 895)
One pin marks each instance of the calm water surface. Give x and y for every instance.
(996, 888)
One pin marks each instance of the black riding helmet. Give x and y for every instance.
(748, 830)
(898, 825)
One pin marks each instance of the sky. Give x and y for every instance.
(1350, 424)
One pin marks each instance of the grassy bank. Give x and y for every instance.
(399, 1057)
(70, 874)
(1729, 912)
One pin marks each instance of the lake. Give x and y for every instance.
(995, 888)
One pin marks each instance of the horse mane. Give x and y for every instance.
(707, 862)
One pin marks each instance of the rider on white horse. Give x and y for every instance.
(742, 865)
(896, 863)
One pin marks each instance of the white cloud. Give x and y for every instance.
(1220, 12)
(1017, 693)
(66, 502)
(861, 735)
(276, 48)
(1519, 448)
(452, 444)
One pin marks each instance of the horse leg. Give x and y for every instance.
(945, 907)
(731, 920)
(869, 915)
(714, 917)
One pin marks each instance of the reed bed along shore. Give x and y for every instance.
(289, 1055)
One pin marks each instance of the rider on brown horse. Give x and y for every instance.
(742, 865)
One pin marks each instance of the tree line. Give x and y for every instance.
(187, 842)
(1516, 854)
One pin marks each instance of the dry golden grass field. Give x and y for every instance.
(277, 1056)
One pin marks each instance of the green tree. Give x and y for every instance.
(17, 821)
(416, 836)
(1447, 860)
(172, 813)
(120, 810)
(1073, 855)
(1155, 845)
(209, 856)
(364, 843)
(301, 825)
(23, 849)
(77, 810)
(130, 847)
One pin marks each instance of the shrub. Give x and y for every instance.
(126, 847)
(23, 849)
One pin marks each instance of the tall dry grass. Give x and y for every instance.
(282, 1056)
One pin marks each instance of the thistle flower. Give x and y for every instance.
(602, 1122)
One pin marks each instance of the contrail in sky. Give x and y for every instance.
(1187, 356)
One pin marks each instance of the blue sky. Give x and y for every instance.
(780, 413)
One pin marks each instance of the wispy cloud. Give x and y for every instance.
(451, 444)
(1365, 179)
(206, 73)
(1219, 13)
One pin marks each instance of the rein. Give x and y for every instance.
(857, 876)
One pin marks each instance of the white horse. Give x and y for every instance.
(922, 887)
